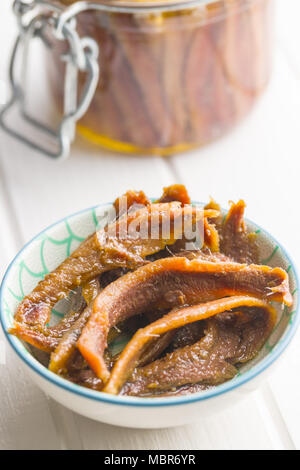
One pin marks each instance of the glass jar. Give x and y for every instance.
(172, 76)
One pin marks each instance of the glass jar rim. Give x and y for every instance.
(153, 4)
(130, 6)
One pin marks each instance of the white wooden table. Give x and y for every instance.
(259, 161)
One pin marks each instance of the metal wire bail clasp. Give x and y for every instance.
(33, 17)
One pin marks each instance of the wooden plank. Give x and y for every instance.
(239, 427)
(284, 384)
(24, 408)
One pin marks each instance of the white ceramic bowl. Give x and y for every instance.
(48, 249)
